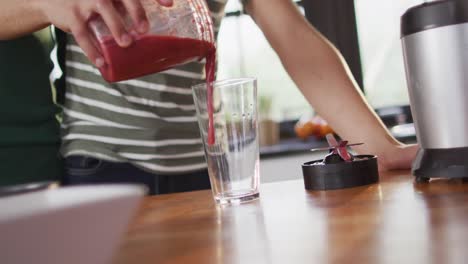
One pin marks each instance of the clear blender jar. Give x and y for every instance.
(178, 34)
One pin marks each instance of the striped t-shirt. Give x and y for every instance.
(149, 122)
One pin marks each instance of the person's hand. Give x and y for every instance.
(398, 157)
(72, 16)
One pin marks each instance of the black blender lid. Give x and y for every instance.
(433, 15)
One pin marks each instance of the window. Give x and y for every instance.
(378, 24)
(244, 51)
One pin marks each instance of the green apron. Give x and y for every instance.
(29, 130)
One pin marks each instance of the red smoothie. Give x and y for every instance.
(151, 54)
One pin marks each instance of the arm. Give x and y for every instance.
(20, 17)
(324, 79)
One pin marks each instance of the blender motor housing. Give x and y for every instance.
(434, 37)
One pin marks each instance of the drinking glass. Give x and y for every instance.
(233, 157)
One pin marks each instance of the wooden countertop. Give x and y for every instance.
(395, 221)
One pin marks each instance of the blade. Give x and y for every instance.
(322, 149)
(331, 148)
(354, 144)
(344, 154)
(331, 140)
(343, 143)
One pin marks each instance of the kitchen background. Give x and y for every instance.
(375, 58)
(243, 51)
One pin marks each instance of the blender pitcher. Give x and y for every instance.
(178, 34)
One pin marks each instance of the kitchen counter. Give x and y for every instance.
(395, 221)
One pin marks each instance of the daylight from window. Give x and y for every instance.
(244, 51)
(378, 25)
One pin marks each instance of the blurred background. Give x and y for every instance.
(367, 32)
(244, 51)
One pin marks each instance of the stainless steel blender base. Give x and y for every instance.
(441, 163)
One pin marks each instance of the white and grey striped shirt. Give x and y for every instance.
(149, 122)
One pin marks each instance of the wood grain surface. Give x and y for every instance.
(395, 221)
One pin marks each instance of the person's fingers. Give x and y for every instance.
(138, 15)
(84, 39)
(166, 2)
(114, 22)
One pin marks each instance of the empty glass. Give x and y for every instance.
(233, 158)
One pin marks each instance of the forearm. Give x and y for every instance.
(321, 74)
(20, 17)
